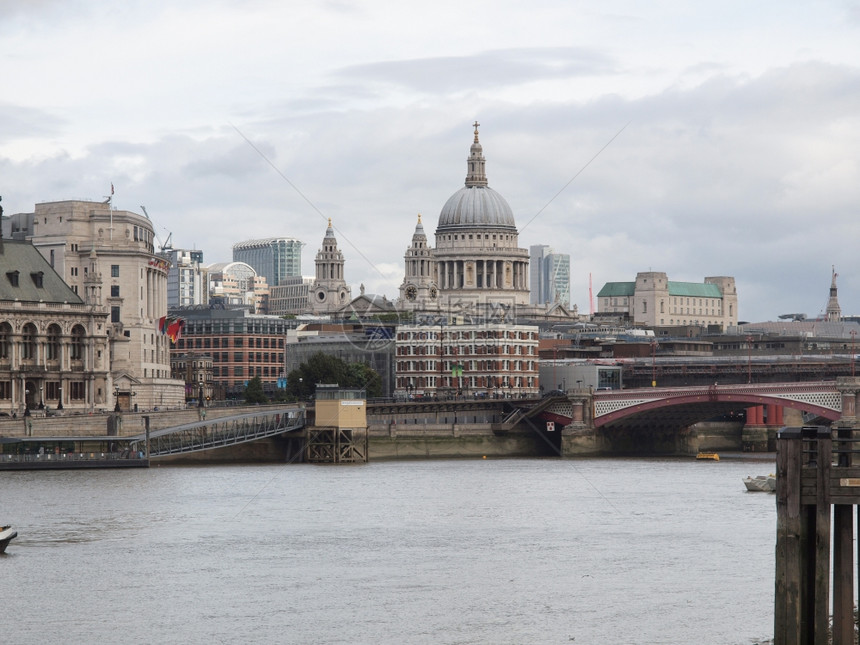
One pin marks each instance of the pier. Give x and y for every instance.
(817, 494)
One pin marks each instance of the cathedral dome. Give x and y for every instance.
(476, 205)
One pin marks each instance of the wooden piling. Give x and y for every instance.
(808, 485)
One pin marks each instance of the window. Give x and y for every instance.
(28, 342)
(53, 345)
(114, 270)
(78, 391)
(5, 336)
(114, 291)
(114, 314)
(77, 344)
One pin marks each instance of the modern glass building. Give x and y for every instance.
(549, 276)
(274, 258)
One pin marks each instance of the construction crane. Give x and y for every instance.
(167, 245)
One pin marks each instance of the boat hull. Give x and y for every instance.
(761, 484)
(7, 534)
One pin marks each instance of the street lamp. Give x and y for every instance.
(200, 397)
(26, 402)
(116, 407)
(60, 402)
(41, 399)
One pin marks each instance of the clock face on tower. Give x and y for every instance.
(411, 292)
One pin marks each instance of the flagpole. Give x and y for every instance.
(110, 208)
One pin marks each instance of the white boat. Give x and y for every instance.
(761, 483)
(7, 534)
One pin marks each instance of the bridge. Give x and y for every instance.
(217, 433)
(821, 399)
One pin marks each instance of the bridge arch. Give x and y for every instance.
(821, 399)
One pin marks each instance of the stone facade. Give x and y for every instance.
(655, 301)
(108, 257)
(329, 292)
(54, 351)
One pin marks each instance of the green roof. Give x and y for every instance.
(694, 289)
(688, 289)
(615, 289)
(26, 275)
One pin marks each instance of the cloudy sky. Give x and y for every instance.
(696, 138)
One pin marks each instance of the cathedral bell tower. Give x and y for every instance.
(419, 289)
(329, 291)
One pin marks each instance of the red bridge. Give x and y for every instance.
(684, 406)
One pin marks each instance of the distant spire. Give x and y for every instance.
(476, 175)
(834, 312)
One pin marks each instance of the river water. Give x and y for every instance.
(597, 551)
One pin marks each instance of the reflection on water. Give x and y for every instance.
(509, 551)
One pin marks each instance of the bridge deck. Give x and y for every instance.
(219, 432)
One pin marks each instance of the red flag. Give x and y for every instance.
(174, 330)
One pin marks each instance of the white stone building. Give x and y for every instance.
(477, 264)
(54, 351)
(655, 301)
(108, 257)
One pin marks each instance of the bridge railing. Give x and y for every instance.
(218, 433)
(804, 386)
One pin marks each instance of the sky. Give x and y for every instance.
(694, 138)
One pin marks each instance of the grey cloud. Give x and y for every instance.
(486, 69)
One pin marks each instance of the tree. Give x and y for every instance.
(325, 368)
(364, 376)
(254, 391)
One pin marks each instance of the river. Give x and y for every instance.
(595, 551)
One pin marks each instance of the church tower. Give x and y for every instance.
(419, 289)
(329, 291)
(834, 312)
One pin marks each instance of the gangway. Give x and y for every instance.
(219, 432)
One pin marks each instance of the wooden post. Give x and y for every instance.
(843, 563)
(788, 614)
(819, 603)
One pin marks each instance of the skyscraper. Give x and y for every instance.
(550, 276)
(274, 258)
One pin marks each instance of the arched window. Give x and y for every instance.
(28, 342)
(53, 346)
(5, 340)
(77, 345)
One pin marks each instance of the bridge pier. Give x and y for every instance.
(333, 445)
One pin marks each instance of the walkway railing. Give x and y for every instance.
(219, 432)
